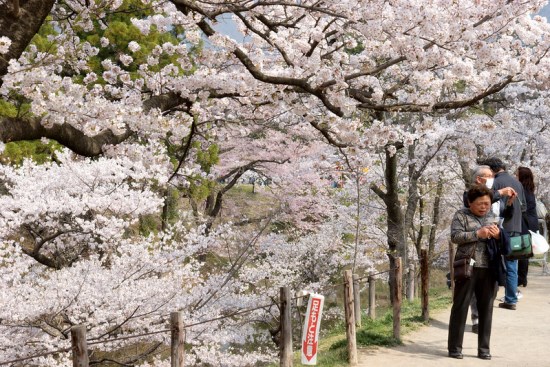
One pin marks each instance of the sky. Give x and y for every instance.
(227, 27)
(545, 12)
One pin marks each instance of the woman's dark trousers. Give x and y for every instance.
(523, 269)
(483, 285)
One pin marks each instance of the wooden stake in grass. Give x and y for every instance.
(397, 299)
(350, 318)
(410, 283)
(79, 346)
(356, 300)
(425, 280)
(372, 297)
(177, 355)
(286, 328)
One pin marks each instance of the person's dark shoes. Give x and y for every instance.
(456, 355)
(508, 306)
(475, 328)
(484, 355)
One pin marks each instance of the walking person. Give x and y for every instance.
(530, 220)
(476, 240)
(513, 206)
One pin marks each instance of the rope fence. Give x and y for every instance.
(352, 310)
(336, 285)
(23, 359)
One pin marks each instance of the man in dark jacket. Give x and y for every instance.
(511, 224)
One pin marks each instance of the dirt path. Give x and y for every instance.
(519, 338)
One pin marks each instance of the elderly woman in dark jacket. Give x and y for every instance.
(473, 233)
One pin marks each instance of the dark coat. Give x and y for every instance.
(498, 249)
(512, 223)
(530, 220)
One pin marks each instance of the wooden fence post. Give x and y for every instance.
(79, 346)
(397, 299)
(425, 280)
(372, 296)
(356, 300)
(286, 328)
(410, 283)
(417, 283)
(350, 318)
(177, 355)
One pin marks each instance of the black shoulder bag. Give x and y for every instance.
(464, 268)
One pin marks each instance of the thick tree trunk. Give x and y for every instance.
(397, 246)
(396, 230)
(20, 21)
(435, 218)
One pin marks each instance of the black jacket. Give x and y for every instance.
(530, 220)
(512, 223)
(498, 249)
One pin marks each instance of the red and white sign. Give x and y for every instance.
(310, 333)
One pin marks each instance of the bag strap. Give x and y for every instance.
(474, 247)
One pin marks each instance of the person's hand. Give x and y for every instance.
(488, 231)
(507, 191)
(494, 231)
(483, 232)
(511, 199)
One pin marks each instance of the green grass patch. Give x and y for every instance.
(378, 332)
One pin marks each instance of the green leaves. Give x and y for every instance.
(40, 152)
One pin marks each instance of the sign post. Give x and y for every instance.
(310, 333)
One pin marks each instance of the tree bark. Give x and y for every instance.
(17, 129)
(397, 246)
(20, 21)
(435, 218)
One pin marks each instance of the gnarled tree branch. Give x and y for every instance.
(17, 129)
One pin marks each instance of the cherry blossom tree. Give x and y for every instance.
(400, 79)
(514, 128)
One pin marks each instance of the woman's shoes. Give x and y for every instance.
(483, 355)
(456, 355)
(480, 355)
